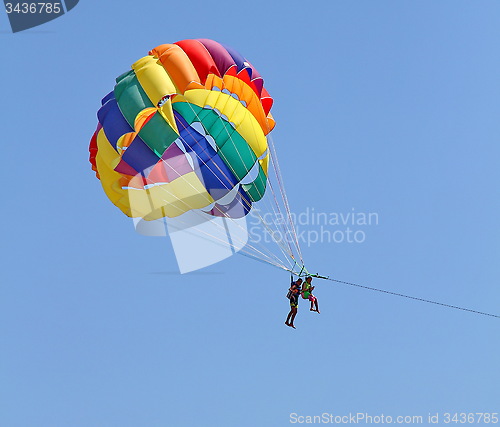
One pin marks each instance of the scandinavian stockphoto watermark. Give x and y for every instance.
(312, 226)
(200, 239)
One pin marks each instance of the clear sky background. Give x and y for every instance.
(382, 106)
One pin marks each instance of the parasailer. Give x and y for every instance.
(307, 289)
(293, 295)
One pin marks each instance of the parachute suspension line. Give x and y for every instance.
(303, 272)
(263, 257)
(456, 307)
(243, 251)
(284, 224)
(277, 171)
(262, 200)
(270, 232)
(274, 160)
(299, 274)
(284, 250)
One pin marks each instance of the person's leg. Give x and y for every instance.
(294, 313)
(311, 299)
(287, 322)
(316, 304)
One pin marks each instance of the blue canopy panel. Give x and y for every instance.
(140, 156)
(212, 171)
(112, 120)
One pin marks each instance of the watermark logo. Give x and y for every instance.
(28, 14)
(429, 418)
(312, 227)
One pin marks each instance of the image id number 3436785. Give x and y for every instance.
(470, 418)
(32, 8)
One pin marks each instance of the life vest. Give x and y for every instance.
(292, 292)
(306, 290)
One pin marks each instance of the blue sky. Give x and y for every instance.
(388, 107)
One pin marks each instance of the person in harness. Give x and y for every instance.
(293, 295)
(306, 293)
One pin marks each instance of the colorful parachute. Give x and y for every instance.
(185, 129)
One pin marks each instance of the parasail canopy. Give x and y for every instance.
(182, 142)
